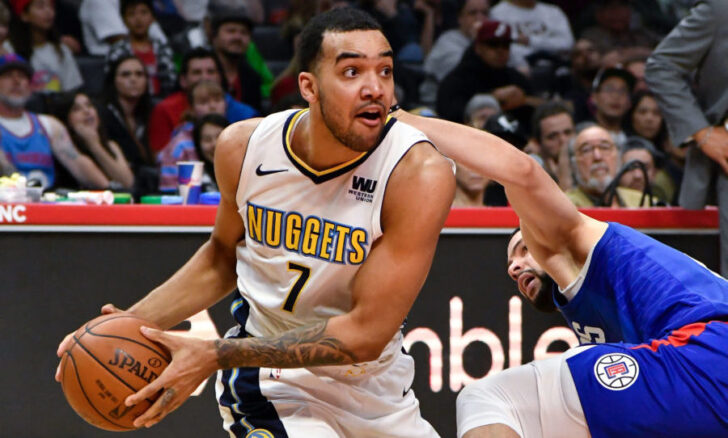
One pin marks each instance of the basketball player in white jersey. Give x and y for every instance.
(327, 226)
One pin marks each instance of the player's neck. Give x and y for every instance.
(313, 143)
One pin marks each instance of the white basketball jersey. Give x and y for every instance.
(307, 231)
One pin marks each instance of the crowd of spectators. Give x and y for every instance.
(114, 92)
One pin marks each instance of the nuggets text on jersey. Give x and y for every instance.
(311, 236)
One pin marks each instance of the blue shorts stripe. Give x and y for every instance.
(254, 415)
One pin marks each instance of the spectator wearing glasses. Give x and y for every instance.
(483, 69)
(595, 164)
(611, 93)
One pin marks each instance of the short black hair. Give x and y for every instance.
(201, 53)
(126, 4)
(335, 20)
(227, 14)
(545, 110)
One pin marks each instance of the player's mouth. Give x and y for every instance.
(528, 284)
(371, 116)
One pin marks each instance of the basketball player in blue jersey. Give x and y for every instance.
(655, 320)
(327, 226)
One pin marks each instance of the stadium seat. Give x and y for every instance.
(93, 72)
(276, 67)
(270, 43)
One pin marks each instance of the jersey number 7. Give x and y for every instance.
(305, 272)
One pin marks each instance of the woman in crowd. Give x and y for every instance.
(34, 37)
(79, 115)
(126, 109)
(205, 132)
(645, 120)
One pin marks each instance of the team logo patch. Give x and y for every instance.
(616, 371)
(259, 433)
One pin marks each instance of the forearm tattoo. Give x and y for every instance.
(64, 145)
(302, 347)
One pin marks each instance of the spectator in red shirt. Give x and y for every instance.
(198, 64)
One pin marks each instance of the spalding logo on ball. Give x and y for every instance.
(108, 361)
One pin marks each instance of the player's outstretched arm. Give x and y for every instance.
(416, 204)
(559, 237)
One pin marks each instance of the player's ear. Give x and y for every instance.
(308, 86)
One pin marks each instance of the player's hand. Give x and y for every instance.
(68, 340)
(193, 361)
(716, 146)
(109, 308)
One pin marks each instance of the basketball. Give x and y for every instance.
(109, 360)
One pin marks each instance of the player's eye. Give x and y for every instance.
(350, 72)
(387, 71)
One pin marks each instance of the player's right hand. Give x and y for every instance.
(66, 342)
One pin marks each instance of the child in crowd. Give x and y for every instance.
(156, 55)
(205, 97)
(205, 132)
(34, 37)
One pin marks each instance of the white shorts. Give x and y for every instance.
(366, 400)
(536, 400)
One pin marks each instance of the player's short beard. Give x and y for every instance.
(348, 139)
(14, 102)
(544, 300)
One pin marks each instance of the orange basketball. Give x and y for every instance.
(109, 360)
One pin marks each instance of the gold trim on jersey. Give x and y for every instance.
(289, 140)
(327, 174)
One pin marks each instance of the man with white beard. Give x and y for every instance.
(594, 163)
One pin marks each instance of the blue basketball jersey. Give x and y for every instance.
(636, 289)
(664, 370)
(31, 155)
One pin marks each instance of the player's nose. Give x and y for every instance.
(372, 87)
(514, 268)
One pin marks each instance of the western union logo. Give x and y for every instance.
(362, 189)
(311, 236)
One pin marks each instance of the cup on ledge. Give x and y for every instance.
(189, 181)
